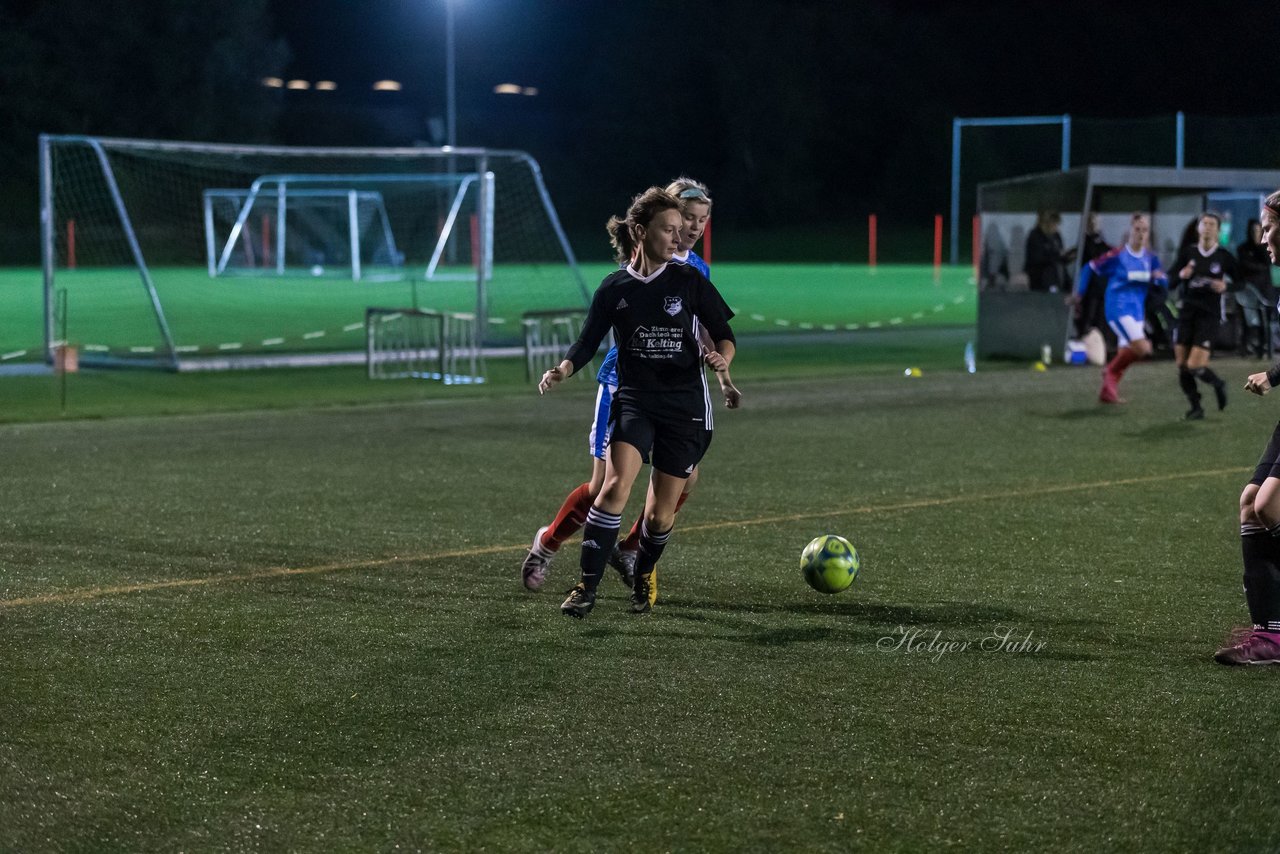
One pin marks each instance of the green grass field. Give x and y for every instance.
(108, 309)
(303, 628)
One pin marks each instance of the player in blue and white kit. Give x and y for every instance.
(1129, 271)
(695, 206)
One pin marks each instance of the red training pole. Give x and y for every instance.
(937, 245)
(706, 243)
(871, 240)
(71, 244)
(475, 241)
(977, 244)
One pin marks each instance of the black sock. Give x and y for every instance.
(651, 547)
(1261, 553)
(598, 537)
(1206, 375)
(1187, 380)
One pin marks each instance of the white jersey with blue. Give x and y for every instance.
(1129, 275)
(607, 376)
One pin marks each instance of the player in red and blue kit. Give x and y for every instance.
(1129, 271)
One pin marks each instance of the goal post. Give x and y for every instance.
(191, 256)
(309, 223)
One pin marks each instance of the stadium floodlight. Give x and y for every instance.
(450, 83)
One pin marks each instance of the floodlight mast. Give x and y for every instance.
(450, 79)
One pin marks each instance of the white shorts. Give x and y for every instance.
(1128, 329)
(598, 438)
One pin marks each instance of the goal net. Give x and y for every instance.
(194, 256)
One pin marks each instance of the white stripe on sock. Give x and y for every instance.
(656, 539)
(602, 519)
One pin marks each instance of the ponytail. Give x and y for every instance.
(644, 207)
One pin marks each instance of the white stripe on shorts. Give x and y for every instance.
(1128, 329)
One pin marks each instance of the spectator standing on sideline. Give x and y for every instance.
(1259, 295)
(1046, 259)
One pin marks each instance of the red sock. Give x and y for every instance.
(1124, 358)
(631, 541)
(572, 516)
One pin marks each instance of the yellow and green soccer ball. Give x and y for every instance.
(830, 563)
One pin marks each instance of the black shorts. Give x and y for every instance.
(1269, 465)
(1198, 328)
(674, 445)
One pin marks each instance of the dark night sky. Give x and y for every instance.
(986, 57)
(803, 112)
(845, 103)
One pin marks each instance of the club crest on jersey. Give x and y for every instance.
(1215, 268)
(672, 305)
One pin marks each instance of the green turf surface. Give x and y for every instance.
(304, 629)
(96, 393)
(109, 308)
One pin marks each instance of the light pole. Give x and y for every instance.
(450, 83)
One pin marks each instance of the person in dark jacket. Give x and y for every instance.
(1259, 295)
(1090, 313)
(1046, 260)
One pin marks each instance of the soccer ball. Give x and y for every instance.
(829, 563)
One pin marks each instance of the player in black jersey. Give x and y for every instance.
(1206, 271)
(662, 413)
(1260, 513)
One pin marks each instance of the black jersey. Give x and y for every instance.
(655, 323)
(1197, 294)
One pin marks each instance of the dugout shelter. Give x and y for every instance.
(1016, 323)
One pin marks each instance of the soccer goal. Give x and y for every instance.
(198, 256)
